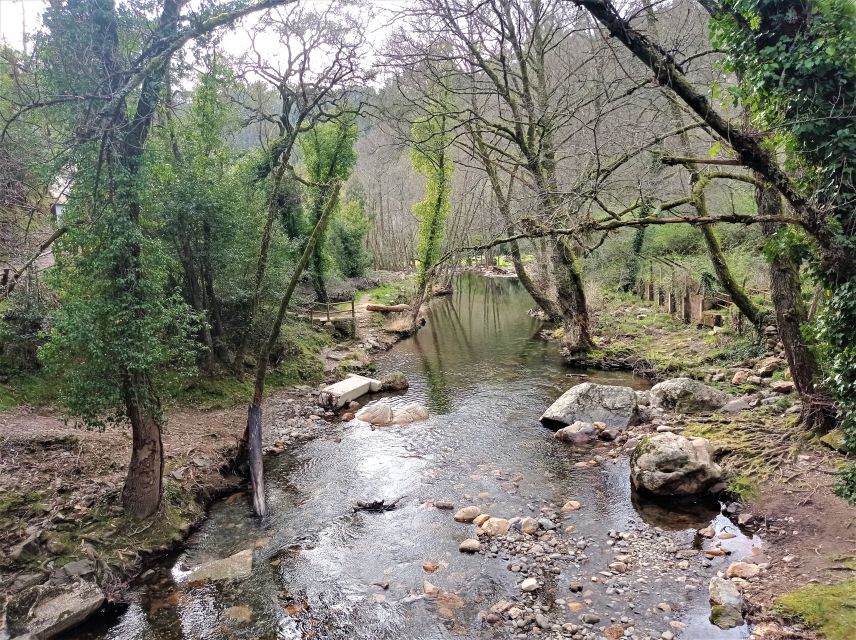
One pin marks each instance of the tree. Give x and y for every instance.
(778, 57)
(347, 239)
(328, 154)
(104, 77)
(431, 157)
(322, 49)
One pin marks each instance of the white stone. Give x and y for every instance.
(341, 393)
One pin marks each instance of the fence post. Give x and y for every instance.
(353, 319)
(328, 311)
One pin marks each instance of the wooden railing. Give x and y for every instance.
(329, 311)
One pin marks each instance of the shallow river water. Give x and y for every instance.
(320, 568)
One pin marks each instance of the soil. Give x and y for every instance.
(60, 484)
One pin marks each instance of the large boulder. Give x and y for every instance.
(588, 402)
(667, 464)
(686, 395)
(45, 611)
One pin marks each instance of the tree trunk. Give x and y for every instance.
(723, 273)
(547, 305)
(631, 266)
(571, 299)
(818, 412)
(141, 495)
(250, 445)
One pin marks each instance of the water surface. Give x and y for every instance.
(321, 568)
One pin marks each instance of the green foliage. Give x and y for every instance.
(797, 66)
(328, 157)
(431, 157)
(834, 332)
(845, 485)
(674, 239)
(22, 320)
(114, 322)
(347, 239)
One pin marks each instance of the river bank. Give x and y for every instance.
(61, 517)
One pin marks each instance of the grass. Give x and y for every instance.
(33, 389)
(829, 608)
(656, 344)
(394, 292)
(299, 364)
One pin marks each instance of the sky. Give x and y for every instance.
(24, 16)
(17, 16)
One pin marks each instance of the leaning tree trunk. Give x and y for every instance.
(250, 447)
(818, 412)
(547, 305)
(723, 273)
(141, 495)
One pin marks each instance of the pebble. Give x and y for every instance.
(470, 545)
(529, 585)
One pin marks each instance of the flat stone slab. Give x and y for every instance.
(338, 395)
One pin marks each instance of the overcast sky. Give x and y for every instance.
(20, 16)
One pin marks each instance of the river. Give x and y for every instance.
(323, 570)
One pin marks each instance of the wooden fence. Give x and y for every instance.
(669, 285)
(330, 312)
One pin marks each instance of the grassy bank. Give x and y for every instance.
(633, 334)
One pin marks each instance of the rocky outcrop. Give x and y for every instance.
(616, 407)
(686, 395)
(667, 464)
(45, 611)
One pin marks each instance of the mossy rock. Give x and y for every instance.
(835, 440)
(725, 616)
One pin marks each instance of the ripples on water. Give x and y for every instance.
(486, 377)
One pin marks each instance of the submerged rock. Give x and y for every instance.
(687, 396)
(589, 402)
(236, 566)
(45, 611)
(379, 414)
(413, 412)
(668, 464)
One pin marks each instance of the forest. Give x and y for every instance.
(429, 319)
